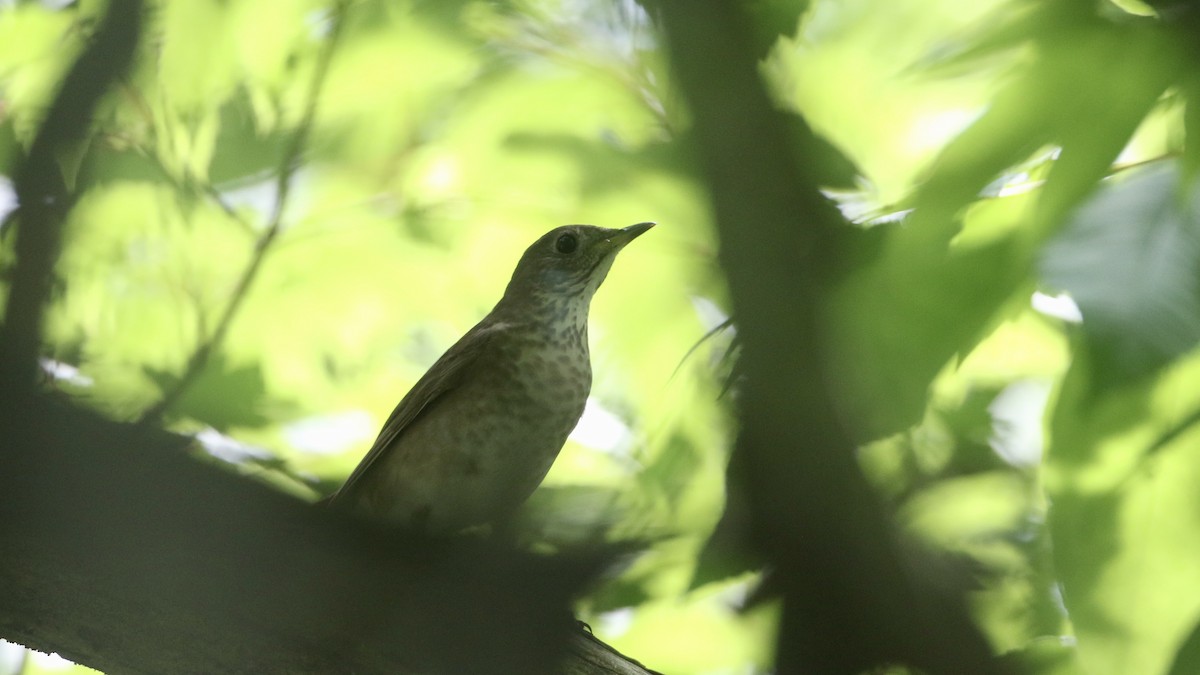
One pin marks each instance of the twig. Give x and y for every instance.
(43, 196)
(712, 333)
(199, 358)
(1173, 433)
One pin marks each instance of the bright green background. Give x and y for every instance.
(449, 135)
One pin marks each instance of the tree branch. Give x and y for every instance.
(126, 555)
(849, 602)
(42, 194)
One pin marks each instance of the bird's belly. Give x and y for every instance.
(452, 471)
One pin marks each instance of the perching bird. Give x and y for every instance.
(478, 432)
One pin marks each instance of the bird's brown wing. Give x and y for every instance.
(446, 374)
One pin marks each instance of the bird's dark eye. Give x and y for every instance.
(567, 243)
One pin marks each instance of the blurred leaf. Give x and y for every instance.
(671, 471)
(832, 167)
(1130, 258)
(620, 593)
(1004, 28)
(1187, 658)
(774, 18)
(223, 396)
(898, 319)
(1125, 515)
(1191, 123)
(971, 425)
(569, 515)
(242, 150)
(198, 60)
(728, 551)
(1139, 62)
(38, 48)
(1045, 656)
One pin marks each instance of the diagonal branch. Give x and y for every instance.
(287, 169)
(43, 195)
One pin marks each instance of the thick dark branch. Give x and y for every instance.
(283, 185)
(849, 603)
(42, 196)
(586, 655)
(124, 554)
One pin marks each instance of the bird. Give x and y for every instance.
(477, 433)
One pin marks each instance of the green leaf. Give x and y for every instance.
(1045, 656)
(729, 550)
(198, 59)
(1191, 123)
(1187, 659)
(1125, 514)
(224, 396)
(895, 323)
(1130, 258)
(671, 471)
(1138, 61)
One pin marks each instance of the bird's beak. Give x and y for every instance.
(635, 230)
(623, 236)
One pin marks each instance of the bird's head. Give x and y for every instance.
(569, 262)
